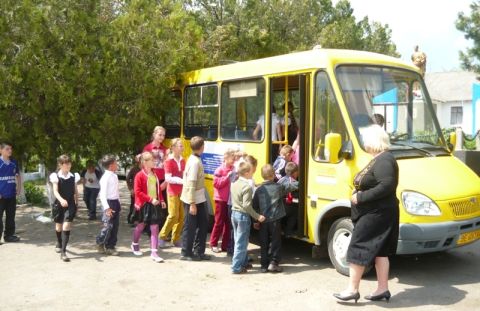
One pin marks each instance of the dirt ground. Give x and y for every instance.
(32, 277)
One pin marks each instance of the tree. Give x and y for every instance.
(243, 30)
(470, 25)
(89, 77)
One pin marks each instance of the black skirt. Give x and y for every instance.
(375, 234)
(149, 214)
(62, 214)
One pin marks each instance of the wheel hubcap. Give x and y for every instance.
(341, 240)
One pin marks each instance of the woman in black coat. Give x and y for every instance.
(375, 216)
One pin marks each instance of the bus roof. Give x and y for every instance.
(298, 61)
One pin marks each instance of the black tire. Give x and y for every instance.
(339, 237)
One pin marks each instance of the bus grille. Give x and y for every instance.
(465, 207)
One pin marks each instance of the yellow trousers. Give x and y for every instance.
(174, 222)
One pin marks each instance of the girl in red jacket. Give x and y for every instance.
(221, 193)
(148, 201)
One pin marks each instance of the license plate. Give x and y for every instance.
(468, 237)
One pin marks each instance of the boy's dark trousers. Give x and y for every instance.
(9, 205)
(108, 234)
(270, 242)
(291, 218)
(90, 198)
(194, 230)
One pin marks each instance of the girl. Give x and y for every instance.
(221, 192)
(66, 202)
(148, 200)
(174, 168)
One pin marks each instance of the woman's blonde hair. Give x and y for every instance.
(375, 139)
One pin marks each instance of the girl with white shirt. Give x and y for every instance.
(66, 202)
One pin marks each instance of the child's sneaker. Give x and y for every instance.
(216, 249)
(58, 248)
(136, 249)
(155, 256)
(112, 252)
(101, 248)
(162, 243)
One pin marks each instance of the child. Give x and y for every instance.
(286, 154)
(174, 168)
(193, 198)
(9, 188)
(130, 179)
(66, 202)
(241, 192)
(148, 199)
(268, 200)
(221, 192)
(109, 196)
(241, 159)
(90, 178)
(291, 200)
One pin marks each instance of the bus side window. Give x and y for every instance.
(201, 112)
(242, 105)
(327, 117)
(171, 117)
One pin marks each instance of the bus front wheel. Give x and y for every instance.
(339, 237)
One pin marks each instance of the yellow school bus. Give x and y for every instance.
(330, 95)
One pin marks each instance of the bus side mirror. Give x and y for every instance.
(347, 150)
(452, 141)
(333, 144)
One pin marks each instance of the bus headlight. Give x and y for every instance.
(418, 204)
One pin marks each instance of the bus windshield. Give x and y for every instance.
(396, 100)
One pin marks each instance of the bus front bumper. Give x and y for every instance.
(427, 238)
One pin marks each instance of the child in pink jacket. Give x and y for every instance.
(221, 193)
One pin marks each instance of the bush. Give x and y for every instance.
(34, 193)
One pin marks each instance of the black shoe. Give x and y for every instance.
(58, 248)
(264, 270)
(190, 258)
(92, 218)
(248, 266)
(386, 294)
(12, 238)
(354, 296)
(274, 267)
(204, 257)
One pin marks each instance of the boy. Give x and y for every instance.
(241, 193)
(193, 198)
(109, 196)
(286, 154)
(9, 188)
(291, 199)
(268, 200)
(91, 186)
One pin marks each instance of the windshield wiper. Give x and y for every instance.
(426, 152)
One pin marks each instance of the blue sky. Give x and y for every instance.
(428, 23)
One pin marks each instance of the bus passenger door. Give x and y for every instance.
(289, 98)
(328, 173)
